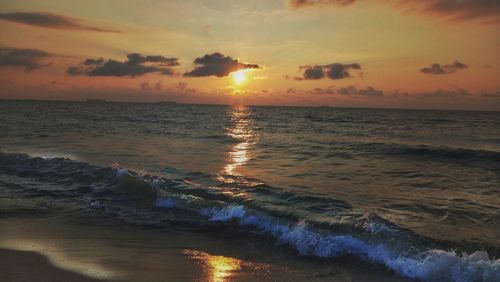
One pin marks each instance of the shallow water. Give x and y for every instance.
(127, 253)
(416, 191)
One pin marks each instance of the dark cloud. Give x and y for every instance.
(307, 3)
(339, 71)
(28, 59)
(482, 11)
(117, 68)
(49, 20)
(314, 72)
(135, 65)
(89, 62)
(216, 64)
(445, 69)
(332, 71)
(137, 59)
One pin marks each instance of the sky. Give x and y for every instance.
(433, 54)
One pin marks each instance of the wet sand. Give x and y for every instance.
(56, 250)
(23, 266)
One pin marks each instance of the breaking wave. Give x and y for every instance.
(141, 198)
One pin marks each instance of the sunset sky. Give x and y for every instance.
(442, 54)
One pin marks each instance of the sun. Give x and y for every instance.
(239, 77)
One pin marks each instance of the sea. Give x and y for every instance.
(416, 192)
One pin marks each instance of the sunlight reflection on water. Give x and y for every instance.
(240, 153)
(218, 268)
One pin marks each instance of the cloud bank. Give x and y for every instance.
(482, 11)
(307, 3)
(135, 65)
(347, 91)
(50, 20)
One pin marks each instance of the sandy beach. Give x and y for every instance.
(31, 266)
(55, 250)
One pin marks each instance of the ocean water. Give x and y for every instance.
(415, 191)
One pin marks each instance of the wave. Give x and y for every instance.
(463, 155)
(447, 152)
(428, 265)
(372, 239)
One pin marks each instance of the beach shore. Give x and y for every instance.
(55, 250)
(21, 266)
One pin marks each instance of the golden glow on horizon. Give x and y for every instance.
(373, 35)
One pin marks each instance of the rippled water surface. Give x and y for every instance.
(398, 187)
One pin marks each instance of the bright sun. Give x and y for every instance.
(239, 77)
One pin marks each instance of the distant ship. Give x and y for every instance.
(96, 101)
(167, 103)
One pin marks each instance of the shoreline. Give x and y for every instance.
(27, 266)
(60, 249)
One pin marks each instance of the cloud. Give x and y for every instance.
(345, 91)
(314, 72)
(482, 11)
(445, 69)
(89, 62)
(330, 90)
(307, 3)
(439, 93)
(332, 71)
(135, 65)
(136, 59)
(28, 59)
(216, 64)
(50, 20)
(352, 90)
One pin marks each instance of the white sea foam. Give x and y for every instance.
(121, 172)
(52, 155)
(430, 265)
